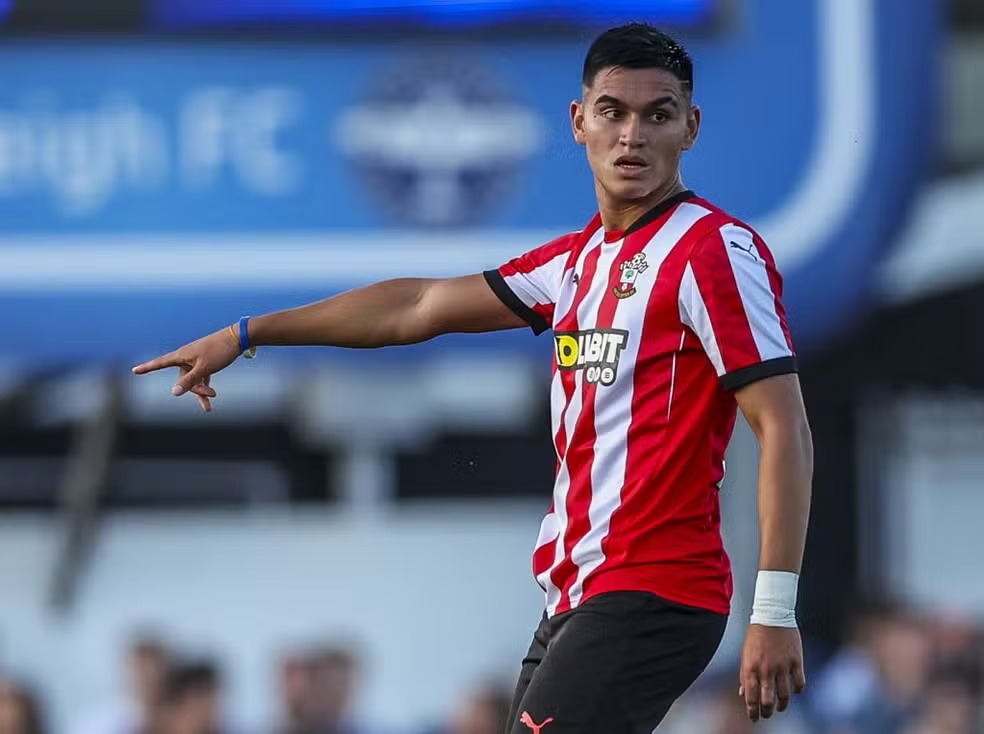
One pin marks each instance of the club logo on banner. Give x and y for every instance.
(438, 143)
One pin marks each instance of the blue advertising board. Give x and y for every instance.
(151, 191)
(472, 13)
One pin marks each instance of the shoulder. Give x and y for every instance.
(578, 238)
(565, 244)
(725, 228)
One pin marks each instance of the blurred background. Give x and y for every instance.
(343, 546)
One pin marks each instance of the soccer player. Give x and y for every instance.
(667, 318)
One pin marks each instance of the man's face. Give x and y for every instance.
(148, 670)
(635, 124)
(12, 715)
(334, 683)
(296, 685)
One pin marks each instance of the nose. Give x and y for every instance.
(631, 133)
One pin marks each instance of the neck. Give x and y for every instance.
(619, 214)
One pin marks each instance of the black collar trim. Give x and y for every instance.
(659, 210)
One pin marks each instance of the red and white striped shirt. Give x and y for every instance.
(653, 328)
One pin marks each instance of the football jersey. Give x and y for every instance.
(654, 328)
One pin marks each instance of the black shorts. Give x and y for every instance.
(613, 665)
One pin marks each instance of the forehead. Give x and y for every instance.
(634, 86)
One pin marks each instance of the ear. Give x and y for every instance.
(693, 127)
(577, 121)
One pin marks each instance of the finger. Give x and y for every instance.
(782, 691)
(204, 393)
(751, 686)
(799, 677)
(204, 390)
(167, 360)
(189, 379)
(767, 699)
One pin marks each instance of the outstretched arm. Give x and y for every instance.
(402, 311)
(773, 650)
(392, 312)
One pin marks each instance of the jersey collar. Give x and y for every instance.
(651, 216)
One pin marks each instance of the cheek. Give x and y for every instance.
(599, 140)
(672, 138)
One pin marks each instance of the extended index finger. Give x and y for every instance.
(167, 360)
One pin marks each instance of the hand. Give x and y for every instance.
(197, 361)
(769, 658)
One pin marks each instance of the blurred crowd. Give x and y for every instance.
(168, 694)
(898, 671)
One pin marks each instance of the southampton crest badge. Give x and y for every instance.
(631, 269)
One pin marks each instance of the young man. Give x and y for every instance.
(667, 318)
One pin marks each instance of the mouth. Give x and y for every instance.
(630, 164)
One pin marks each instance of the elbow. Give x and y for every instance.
(406, 321)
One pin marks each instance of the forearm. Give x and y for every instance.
(785, 488)
(378, 315)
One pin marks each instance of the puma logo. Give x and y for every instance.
(528, 720)
(750, 249)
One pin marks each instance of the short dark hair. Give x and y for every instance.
(638, 46)
(195, 676)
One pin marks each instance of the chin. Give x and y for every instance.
(632, 190)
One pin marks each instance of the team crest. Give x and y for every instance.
(631, 269)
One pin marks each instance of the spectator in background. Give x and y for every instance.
(484, 711)
(335, 673)
(713, 706)
(192, 702)
(874, 683)
(950, 705)
(296, 686)
(317, 689)
(20, 710)
(146, 667)
(149, 664)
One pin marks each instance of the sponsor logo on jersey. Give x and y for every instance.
(596, 351)
(631, 270)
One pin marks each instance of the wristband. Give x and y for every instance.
(247, 351)
(775, 599)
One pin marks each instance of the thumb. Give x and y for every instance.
(191, 378)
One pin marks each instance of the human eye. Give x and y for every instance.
(611, 113)
(659, 116)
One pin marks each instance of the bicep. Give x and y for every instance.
(773, 404)
(464, 304)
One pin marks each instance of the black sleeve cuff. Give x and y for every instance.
(755, 372)
(498, 285)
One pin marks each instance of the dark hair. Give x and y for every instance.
(638, 46)
(198, 676)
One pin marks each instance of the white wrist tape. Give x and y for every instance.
(775, 599)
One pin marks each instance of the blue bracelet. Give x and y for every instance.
(243, 334)
(245, 349)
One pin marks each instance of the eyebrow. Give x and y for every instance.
(616, 102)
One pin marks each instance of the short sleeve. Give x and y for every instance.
(731, 298)
(529, 284)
